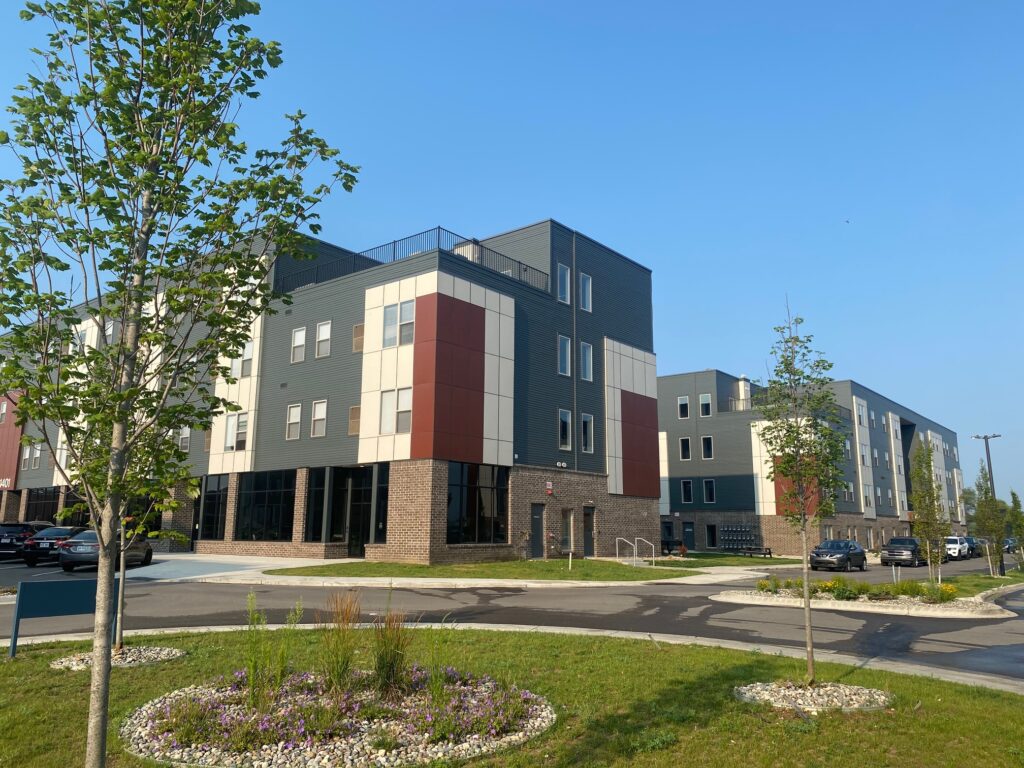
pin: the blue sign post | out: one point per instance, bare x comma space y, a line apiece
44, 599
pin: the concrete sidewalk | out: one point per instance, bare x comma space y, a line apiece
995, 682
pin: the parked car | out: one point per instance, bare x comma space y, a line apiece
839, 555
975, 546
956, 548
14, 535
904, 550
83, 549
44, 544
1010, 545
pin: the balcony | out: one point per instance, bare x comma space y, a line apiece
437, 239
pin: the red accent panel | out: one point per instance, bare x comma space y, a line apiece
10, 446
640, 446
448, 380
784, 502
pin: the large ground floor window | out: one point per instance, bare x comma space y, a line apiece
477, 504
266, 506
214, 509
348, 505
42, 504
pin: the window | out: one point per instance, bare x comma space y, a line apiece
903, 501
266, 506
885, 428
899, 465
586, 433
566, 541
887, 465
207, 440
878, 495
896, 430
323, 339
108, 331
872, 419
956, 454
848, 452
354, 414
863, 454
709, 491
711, 533
874, 454
3, 411
564, 430
705, 405
564, 356
861, 414
298, 345
25, 453
889, 492
37, 451
585, 298
477, 504
241, 367
686, 486
707, 447
683, 404
183, 438
684, 449
852, 491
586, 361
357, 337
867, 495
564, 284
318, 426
214, 507
293, 422
396, 411
399, 324
236, 433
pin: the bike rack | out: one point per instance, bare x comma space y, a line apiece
636, 543
628, 543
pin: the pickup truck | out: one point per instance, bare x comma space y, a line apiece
903, 551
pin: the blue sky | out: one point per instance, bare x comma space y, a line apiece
862, 158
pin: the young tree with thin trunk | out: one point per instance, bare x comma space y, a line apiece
135, 248
1015, 522
800, 431
989, 519
930, 523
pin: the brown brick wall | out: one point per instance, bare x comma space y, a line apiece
23, 506
10, 504
270, 548
301, 497
178, 521
417, 513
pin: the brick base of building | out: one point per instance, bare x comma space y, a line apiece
271, 549
10, 504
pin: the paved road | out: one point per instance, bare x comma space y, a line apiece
991, 647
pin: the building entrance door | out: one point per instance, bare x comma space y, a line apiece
588, 531
537, 530
689, 540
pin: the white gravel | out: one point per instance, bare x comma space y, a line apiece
130, 656
955, 607
814, 699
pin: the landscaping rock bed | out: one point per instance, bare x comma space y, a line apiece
359, 729
130, 656
814, 699
897, 604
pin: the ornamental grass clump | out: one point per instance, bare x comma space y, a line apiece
337, 648
258, 656
391, 640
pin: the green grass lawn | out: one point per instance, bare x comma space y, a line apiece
620, 703
711, 559
975, 583
556, 570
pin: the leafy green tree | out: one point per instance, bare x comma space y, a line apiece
931, 524
990, 520
800, 431
136, 245
1015, 524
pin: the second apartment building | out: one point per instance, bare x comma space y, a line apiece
715, 490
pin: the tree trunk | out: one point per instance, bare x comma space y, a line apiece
122, 567
808, 630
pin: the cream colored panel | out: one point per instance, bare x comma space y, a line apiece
402, 447
374, 297
490, 451
373, 329
625, 366
639, 377
506, 378
505, 418
426, 284
505, 454
389, 368
371, 372
508, 306
663, 453
507, 337
491, 415
367, 450
386, 448
407, 289
493, 301
652, 380
491, 368
369, 414
478, 295
391, 294
405, 366
764, 489
445, 284
463, 291
492, 333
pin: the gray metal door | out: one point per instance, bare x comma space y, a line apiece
689, 541
537, 530
588, 531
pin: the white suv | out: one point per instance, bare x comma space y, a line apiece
956, 547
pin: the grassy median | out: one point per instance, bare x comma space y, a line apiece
620, 703
545, 570
712, 559
970, 584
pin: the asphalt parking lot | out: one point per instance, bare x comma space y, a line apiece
876, 574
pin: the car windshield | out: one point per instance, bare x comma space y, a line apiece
952, 540
53, 533
9, 529
834, 545
902, 542
85, 536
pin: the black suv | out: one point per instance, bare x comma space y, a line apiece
14, 535
974, 547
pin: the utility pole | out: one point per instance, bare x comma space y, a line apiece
992, 487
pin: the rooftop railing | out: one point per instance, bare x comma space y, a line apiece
436, 239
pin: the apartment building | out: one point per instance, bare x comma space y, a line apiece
434, 399
715, 490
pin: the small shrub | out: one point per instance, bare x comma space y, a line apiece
338, 647
390, 643
939, 594
763, 585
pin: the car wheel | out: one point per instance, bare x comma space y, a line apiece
846, 567
148, 557
814, 567
864, 564
68, 567
30, 562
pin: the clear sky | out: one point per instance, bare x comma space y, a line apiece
862, 158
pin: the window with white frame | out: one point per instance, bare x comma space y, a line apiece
293, 422
861, 415
585, 297
564, 430
586, 433
298, 345
686, 489
899, 465
236, 432
705, 404
707, 447
396, 411
323, 339
684, 449
889, 492
709, 491
564, 355
564, 284
867, 494
3, 411
26, 452
872, 419
863, 455
108, 331
183, 438
358, 334
874, 455
318, 423
399, 324
37, 451
683, 406
896, 430
887, 464
354, 417
956, 454
586, 361
241, 367
848, 450
903, 501
878, 495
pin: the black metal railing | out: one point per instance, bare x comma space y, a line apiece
436, 239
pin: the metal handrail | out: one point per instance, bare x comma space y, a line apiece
628, 544
649, 544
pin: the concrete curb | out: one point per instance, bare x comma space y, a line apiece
921, 611
994, 682
992, 594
